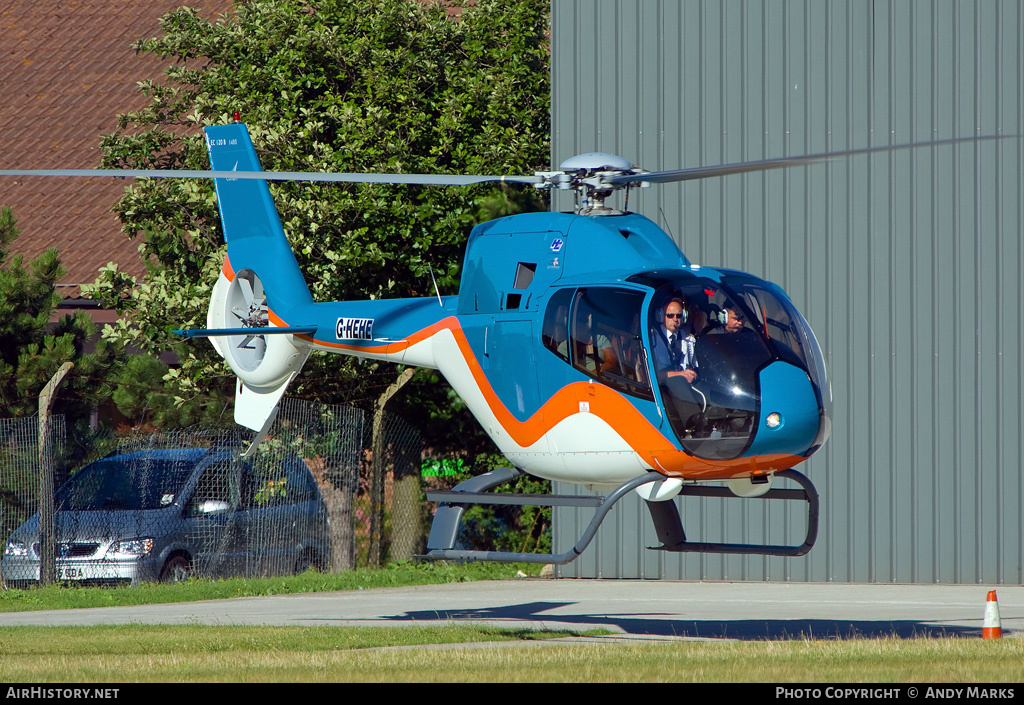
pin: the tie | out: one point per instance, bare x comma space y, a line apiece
673, 346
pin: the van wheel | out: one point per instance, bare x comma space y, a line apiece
306, 562
176, 570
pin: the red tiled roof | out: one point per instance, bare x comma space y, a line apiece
67, 70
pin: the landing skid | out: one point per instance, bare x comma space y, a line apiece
667, 522
669, 525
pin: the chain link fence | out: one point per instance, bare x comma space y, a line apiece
331, 488
395, 511
19, 467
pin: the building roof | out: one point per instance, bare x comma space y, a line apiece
67, 70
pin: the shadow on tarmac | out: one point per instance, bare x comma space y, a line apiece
743, 629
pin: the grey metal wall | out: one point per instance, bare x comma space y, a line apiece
908, 265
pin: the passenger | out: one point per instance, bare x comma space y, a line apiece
730, 319
557, 336
734, 319
592, 351
730, 354
630, 353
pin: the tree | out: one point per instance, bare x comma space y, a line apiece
327, 85
32, 348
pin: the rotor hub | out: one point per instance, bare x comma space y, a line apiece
591, 176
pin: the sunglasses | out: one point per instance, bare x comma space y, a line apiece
673, 315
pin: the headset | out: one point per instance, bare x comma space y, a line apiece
659, 315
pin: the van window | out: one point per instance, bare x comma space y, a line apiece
218, 484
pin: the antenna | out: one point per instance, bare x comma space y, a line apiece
436, 291
668, 226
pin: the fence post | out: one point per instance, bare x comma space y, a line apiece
47, 529
407, 534
376, 557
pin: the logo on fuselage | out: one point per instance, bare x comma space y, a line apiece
354, 329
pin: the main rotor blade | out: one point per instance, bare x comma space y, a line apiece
424, 179
704, 172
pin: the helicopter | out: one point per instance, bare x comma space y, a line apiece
559, 342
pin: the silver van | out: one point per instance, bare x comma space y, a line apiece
167, 514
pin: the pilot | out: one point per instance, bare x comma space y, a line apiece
674, 347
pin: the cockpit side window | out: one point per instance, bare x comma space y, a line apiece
787, 332
606, 341
555, 333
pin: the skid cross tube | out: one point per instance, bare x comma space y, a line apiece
668, 524
440, 545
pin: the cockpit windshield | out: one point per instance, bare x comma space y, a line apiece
709, 340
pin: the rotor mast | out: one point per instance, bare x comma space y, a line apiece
589, 175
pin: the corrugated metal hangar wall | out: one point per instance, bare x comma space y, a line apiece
907, 264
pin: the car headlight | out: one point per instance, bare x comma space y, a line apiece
16, 549
131, 547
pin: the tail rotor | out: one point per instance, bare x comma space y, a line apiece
247, 303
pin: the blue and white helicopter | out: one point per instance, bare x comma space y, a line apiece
558, 342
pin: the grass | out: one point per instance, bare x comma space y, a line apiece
468, 653
141, 654
55, 597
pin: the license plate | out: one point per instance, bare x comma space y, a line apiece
70, 574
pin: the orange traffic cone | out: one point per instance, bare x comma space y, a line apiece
992, 628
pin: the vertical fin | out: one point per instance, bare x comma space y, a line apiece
252, 227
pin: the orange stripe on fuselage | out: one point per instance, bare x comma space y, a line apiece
607, 404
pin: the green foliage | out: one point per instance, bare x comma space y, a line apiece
519, 529
272, 491
444, 467
32, 348
442, 418
378, 86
